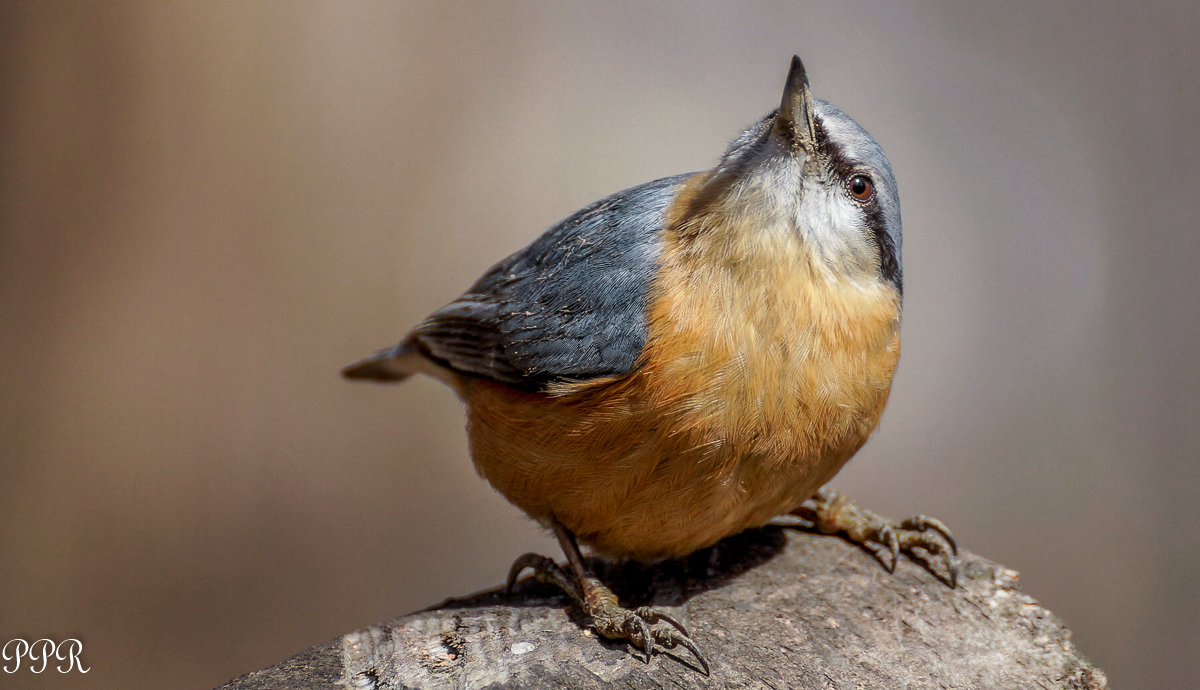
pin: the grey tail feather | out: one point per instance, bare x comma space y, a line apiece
384, 366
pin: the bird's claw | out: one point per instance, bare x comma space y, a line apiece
920, 523
637, 626
608, 617
653, 615
670, 638
544, 570
924, 537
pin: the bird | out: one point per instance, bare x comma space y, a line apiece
689, 358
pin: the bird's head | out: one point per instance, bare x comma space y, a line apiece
804, 174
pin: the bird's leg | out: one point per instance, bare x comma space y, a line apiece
921, 536
600, 603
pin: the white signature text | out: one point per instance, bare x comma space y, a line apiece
40, 653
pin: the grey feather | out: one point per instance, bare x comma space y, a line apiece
570, 306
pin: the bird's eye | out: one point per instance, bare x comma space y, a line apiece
861, 187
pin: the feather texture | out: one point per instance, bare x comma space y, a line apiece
571, 306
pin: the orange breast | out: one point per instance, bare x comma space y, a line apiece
759, 379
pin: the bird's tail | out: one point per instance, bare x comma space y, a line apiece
386, 366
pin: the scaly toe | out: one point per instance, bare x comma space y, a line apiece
544, 570
669, 639
933, 547
654, 615
926, 538
637, 627
920, 523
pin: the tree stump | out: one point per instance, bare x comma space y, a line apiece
773, 607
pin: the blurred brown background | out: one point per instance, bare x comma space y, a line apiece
207, 208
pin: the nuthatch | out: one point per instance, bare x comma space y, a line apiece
688, 358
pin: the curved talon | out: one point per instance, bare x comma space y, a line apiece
669, 639
938, 549
893, 545
533, 561
654, 615
645, 633
951, 566
924, 522
545, 570
525, 560
933, 542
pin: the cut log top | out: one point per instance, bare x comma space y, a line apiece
773, 607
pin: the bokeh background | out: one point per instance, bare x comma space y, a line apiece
207, 208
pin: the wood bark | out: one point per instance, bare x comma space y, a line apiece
774, 607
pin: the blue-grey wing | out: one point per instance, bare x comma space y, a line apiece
570, 306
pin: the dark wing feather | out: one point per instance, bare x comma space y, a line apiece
570, 306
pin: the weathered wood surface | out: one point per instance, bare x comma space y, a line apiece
774, 607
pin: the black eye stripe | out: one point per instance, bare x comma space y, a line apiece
841, 166
844, 169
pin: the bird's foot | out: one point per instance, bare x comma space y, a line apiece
609, 618
921, 536
638, 625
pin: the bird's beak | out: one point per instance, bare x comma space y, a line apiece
794, 122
